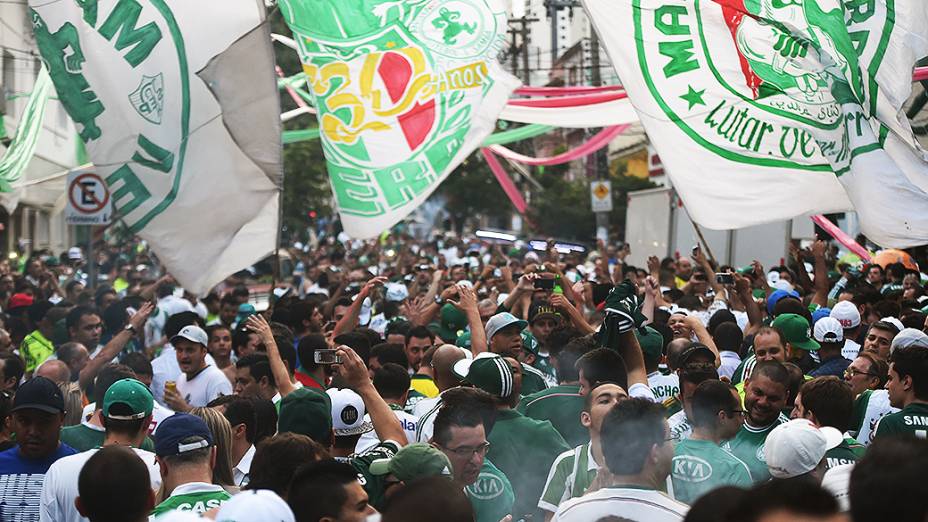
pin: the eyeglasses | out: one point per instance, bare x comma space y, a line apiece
849, 373
466, 452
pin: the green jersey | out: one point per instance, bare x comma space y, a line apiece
672, 406
700, 466
196, 497
361, 462
533, 381
491, 495
848, 452
748, 447
743, 371
911, 420
869, 407
571, 474
562, 406
524, 450
83, 437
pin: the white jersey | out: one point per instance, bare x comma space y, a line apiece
425, 411
664, 386
850, 350
209, 384
680, 427
631, 503
59, 488
407, 421
869, 408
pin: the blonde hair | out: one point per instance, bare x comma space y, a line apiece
222, 439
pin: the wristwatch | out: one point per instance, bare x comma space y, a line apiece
129, 328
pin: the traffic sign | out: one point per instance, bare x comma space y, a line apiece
601, 196
89, 201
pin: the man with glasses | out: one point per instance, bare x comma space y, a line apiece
867, 378
700, 465
461, 429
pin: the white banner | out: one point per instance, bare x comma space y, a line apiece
777, 109
177, 104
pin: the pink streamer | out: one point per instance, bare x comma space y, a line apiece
296, 97
505, 181
841, 237
600, 140
570, 101
566, 91
921, 73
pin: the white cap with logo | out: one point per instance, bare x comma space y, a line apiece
261, 505
828, 330
348, 413
797, 447
192, 333
847, 314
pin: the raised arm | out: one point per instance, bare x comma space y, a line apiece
467, 303
703, 335
355, 376
576, 318
350, 320
116, 345
821, 274
258, 325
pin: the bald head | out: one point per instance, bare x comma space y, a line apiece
674, 349
55, 370
445, 357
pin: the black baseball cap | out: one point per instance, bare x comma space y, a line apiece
39, 393
687, 363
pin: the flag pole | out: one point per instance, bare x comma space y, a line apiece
702, 240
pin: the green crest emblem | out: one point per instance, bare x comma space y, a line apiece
148, 99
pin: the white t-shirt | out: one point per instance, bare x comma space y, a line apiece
851, 349
165, 368
631, 503
664, 386
59, 488
369, 439
426, 410
210, 383
730, 363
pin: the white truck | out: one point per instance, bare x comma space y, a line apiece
657, 225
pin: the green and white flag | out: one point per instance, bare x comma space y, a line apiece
763, 110
405, 90
20, 151
177, 104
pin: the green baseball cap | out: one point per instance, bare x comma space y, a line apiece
452, 322
307, 411
487, 371
463, 340
651, 341
795, 330
412, 462
127, 399
529, 343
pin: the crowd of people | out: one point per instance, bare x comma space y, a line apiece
465, 380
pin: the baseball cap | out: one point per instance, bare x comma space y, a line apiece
348, 413
847, 314
19, 301
256, 505
906, 338
795, 330
452, 322
181, 433
487, 371
776, 296
396, 292
529, 343
540, 310
820, 313
686, 363
463, 340
134, 396
797, 447
414, 461
893, 322
828, 330
502, 320
75, 254
652, 342
306, 411
39, 393
192, 333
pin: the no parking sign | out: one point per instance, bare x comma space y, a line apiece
89, 201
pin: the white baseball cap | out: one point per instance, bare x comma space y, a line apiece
258, 505
502, 320
396, 292
348, 413
797, 447
828, 330
75, 254
837, 481
847, 314
192, 333
909, 337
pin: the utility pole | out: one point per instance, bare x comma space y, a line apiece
520, 35
554, 7
599, 161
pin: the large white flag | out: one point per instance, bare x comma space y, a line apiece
177, 104
763, 110
405, 91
